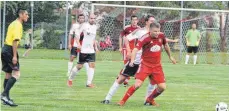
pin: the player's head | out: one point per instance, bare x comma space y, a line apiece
92, 19
81, 18
155, 29
134, 20
193, 25
23, 15
148, 20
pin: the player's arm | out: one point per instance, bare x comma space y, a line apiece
133, 55
96, 46
187, 36
77, 37
167, 49
16, 38
120, 42
171, 40
198, 41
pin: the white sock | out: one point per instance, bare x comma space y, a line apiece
112, 91
186, 59
149, 90
86, 65
90, 75
73, 73
70, 64
194, 59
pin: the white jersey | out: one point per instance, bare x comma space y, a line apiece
75, 28
137, 35
89, 32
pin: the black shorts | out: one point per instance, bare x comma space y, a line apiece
129, 71
193, 49
6, 57
83, 57
74, 51
27, 46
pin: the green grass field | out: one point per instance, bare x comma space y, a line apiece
42, 86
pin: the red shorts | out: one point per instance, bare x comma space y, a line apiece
156, 74
124, 54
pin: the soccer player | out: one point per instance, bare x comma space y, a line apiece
9, 55
87, 53
151, 45
72, 43
193, 39
122, 48
127, 70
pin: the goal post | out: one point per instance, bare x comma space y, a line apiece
175, 22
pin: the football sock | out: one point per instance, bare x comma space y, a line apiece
194, 59
70, 64
154, 94
73, 73
149, 90
186, 59
5, 82
90, 75
86, 65
112, 90
129, 93
9, 85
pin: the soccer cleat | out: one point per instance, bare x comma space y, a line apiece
7, 101
121, 103
105, 102
151, 103
69, 83
90, 86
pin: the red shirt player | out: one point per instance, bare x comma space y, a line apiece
151, 45
126, 50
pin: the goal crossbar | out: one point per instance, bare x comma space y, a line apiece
160, 8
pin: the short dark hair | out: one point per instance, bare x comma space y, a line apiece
147, 17
155, 24
20, 11
80, 15
133, 16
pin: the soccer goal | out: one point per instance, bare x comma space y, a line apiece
175, 22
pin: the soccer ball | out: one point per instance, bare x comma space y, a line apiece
221, 107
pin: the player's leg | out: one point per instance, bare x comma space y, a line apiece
86, 65
91, 70
75, 70
189, 51
142, 73
195, 50
113, 89
28, 48
9, 67
73, 55
159, 79
150, 88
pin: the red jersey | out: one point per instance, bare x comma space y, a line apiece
127, 30
151, 49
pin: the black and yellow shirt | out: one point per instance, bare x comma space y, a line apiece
14, 32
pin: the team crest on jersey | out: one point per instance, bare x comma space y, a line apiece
155, 48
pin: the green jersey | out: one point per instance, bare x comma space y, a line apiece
193, 36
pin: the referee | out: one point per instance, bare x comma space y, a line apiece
9, 55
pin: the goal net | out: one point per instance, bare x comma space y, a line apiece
213, 25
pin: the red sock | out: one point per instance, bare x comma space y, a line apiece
129, 93
154, 94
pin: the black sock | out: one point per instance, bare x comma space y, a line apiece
5, 82
9, 85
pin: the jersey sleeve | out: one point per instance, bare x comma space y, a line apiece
17, 31
71, 30
132, 36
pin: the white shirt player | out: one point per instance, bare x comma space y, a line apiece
89, 32
137, 35
75, 28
